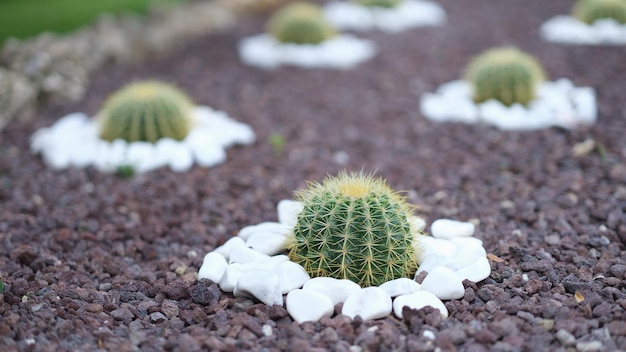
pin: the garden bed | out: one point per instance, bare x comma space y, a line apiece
91, 260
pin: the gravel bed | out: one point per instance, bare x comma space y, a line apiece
92, 261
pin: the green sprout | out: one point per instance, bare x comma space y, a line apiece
277, 141
125, 171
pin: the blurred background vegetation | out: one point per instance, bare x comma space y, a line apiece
26, 18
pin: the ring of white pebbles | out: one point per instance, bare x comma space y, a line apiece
343, 51
408, 14
570, 30
73, 141
252, 265
558, 103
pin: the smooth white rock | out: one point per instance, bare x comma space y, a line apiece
244, 255
569, 30
231, 275
369, 303
417, 223
431, 261
213, 267
399, 287
475, 272
288, 211
340, 52
73, 141
270, 226
429, 245
408, 14
418, 300
443, 283
465, 255
556, 104
224, 249
292, 276
335, 289
447, 229
466, 241
268, 264
261, 285
305, 305
267, 242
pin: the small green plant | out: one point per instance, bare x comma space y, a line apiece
380, 3
589, 11
125, 171
277, 141
505, 74
353, 226
146, 111
300, 23
1, 287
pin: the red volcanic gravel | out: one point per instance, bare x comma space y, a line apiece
92, 261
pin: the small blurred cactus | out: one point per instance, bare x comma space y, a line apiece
589, 11
379, 3
300, 23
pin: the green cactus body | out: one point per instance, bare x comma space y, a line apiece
380, 3
589, 11
146, 111
300, 23
504, 74
354, 227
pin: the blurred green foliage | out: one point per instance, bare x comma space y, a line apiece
26, 18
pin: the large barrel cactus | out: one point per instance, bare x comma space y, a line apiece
379, 3
300, 23
146, 111
589, 11
354, 227
505, 74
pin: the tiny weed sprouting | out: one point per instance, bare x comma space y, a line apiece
277, 141
125, 171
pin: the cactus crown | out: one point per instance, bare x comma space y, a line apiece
300, 23
379, 3
589, 11
146, 111
354, 227
505, 74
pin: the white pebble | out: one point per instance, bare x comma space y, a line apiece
417, 223
292, 276
288, 211
243, 255
475, 272
268, 264
369, 303
224, 249
267, 242
443, 283
465, 255
271, 227
303, 305
231, 275
447, 229
418, 300
401, 286
262, 285
213, 267
335, 289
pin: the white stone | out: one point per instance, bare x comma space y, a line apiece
556, 104
418, 300
292, 276
268, 264
224, 249
335, 289
305, 305
475, 272
408, 14
399, 287
443, 283
261, 285
417, 223
570, 30
428, 245
213, 267
465, 255
431, 261
369, 303
271, 227
231, 275
340, 52
447, 229
466, 241
73, 141
243, 255
267, 242
288, 211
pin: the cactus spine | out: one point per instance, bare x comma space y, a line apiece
354, 227
146, 111
300, 23
380, 3
505, 74
589, 11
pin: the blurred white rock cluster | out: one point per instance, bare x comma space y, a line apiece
253, 264
53, 67
74, 141
558, 103
570, 30
408, 14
